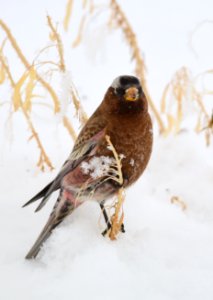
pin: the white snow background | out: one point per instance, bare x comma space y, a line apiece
166, 253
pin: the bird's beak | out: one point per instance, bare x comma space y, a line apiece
131, 94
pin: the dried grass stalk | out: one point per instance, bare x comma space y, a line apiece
177, 90
208, 130
66, 21
74, 94
17, 91
26, 85
69, 127
29, 90
28, 65
119, 176
78, 38
2, 75
118, 217
57, 37
178, 201
208, 119
180, 89
43, 158
27, 82
80, 112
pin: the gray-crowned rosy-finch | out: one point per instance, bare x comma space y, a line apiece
88, 172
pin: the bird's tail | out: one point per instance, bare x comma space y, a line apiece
40, 195
61, 209
44, 235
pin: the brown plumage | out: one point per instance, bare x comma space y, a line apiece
123, 116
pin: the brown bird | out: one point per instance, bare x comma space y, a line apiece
90, 171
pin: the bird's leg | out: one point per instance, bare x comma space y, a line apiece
106, 218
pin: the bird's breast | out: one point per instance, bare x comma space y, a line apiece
132, 139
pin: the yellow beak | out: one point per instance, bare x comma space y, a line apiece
131, 94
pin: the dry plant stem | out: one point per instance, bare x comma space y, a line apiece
117, 159
68, 14
123, 23
39, 78
198, 98
69, 127
183, 87
78, 38
83, 117
44, 159
28, 65
117, 218
177, 200
209, 130
77, 103
14, 44
209, 119
58, 43
177, 89
83, 23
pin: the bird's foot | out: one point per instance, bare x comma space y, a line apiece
122, 229
109, 226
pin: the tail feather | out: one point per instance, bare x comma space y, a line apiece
61, 209
44, 235
41, 194
43, 202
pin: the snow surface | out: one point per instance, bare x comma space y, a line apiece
166, 253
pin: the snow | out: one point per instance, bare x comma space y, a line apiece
166, 252
98, 167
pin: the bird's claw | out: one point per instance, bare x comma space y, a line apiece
122, 228
109, 226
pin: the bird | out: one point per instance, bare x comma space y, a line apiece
89, 173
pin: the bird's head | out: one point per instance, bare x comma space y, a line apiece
125, 95
127, 88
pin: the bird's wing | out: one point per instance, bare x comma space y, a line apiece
39, 195
75, 158
85, 145
95, 125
